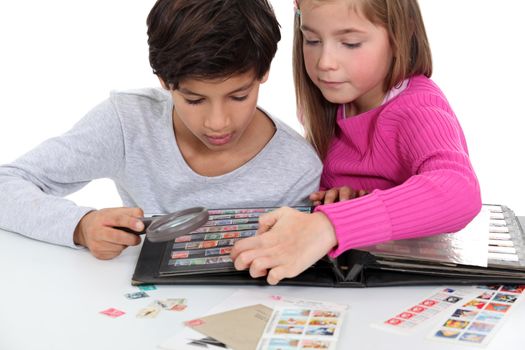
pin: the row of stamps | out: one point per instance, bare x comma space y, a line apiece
222, 259
476, 321
215, 236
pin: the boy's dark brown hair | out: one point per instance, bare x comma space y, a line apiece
211, 39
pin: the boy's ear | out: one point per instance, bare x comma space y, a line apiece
162, 83
265, 77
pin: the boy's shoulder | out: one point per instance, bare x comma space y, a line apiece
140, 96
286, 139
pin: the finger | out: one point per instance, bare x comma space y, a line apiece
247, 258
243, 259
316, 203
266, 221
261, 265
123, 217
245, 244
346, 193
119, 237
276, 274
331, 196
317, 196
126, 220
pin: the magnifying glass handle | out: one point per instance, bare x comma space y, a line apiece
146, 220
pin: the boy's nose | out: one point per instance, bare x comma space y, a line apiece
217, 120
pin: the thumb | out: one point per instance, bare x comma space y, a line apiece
266, 221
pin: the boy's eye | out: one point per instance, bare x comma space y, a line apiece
194, 102
239, 98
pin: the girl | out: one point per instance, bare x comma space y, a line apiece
381, 126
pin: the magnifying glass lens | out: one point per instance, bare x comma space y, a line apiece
177, 221
171, 226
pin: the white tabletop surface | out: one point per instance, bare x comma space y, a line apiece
51, 296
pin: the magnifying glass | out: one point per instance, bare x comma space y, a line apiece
168, 227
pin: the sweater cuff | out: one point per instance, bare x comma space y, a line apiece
69, 232
358, 222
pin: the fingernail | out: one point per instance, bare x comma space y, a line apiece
139, 225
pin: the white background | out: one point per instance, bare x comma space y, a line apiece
59, 58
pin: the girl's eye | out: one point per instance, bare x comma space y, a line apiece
352, 45
311, 42
194, 102
239, 98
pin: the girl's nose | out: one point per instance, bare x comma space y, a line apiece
327, 60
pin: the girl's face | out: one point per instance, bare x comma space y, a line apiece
346, 56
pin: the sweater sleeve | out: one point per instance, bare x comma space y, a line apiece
441, 194
32, 187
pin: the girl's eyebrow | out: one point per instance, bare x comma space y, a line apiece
337, 32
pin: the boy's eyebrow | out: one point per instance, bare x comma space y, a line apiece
242, 88
338, 32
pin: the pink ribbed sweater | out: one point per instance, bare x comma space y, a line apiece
411, 153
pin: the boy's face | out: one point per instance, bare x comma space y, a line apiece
215, 113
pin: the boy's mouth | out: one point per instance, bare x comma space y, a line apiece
219, 140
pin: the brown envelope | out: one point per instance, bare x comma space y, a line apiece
240, 329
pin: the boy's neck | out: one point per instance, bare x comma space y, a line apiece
206, 162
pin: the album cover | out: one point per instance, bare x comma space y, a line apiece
489, 250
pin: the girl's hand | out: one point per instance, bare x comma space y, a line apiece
287, 243
96, 231
337, 194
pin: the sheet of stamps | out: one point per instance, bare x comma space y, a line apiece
476, 320
301, 324
425, 311
295, 323
208, 248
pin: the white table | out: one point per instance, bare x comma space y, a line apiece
51, 296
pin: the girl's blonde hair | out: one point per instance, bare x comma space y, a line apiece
411, 56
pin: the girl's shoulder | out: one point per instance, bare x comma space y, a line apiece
420, 101
421, 93
422, 90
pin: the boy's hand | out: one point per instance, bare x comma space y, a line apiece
96, 231
287, 243
337, 194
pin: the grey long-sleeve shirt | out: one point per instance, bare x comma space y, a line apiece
129, 138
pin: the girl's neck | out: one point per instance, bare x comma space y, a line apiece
355, 108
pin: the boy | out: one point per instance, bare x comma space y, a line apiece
200, 141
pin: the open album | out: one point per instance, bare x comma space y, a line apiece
491, 249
